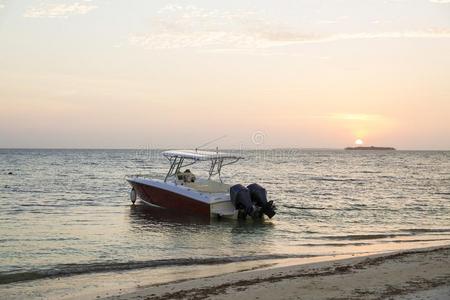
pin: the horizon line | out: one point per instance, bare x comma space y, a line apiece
233, 149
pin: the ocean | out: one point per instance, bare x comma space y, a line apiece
68, 212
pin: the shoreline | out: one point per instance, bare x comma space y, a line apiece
280, 278
377, 276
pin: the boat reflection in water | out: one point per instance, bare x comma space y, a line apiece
172, 234
144, 215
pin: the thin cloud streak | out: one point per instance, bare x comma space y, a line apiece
427, 33
350, 117
235, 41
179, 27
59, 10
440, 1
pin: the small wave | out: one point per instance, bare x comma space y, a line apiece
334, 244
354, 207
426, 230
363, 236
417, 240
336, 179
43, 205
78, 269
303, 207
91, 163
32, 239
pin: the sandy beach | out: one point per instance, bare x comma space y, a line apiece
410, 274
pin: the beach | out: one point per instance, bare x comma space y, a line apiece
411, 274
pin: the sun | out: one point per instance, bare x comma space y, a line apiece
359, 142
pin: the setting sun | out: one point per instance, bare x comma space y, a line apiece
359, 142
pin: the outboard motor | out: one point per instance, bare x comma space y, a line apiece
241, 199
259, 197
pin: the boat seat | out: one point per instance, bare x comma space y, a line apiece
209, 186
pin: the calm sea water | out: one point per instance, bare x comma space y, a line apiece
68, 212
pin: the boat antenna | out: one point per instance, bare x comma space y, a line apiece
210, 142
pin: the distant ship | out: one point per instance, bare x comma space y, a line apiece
369, 148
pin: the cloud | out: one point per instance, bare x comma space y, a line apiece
178, 27
59, 10
350, 117
426, 33
440, 1
326, 22
356, 117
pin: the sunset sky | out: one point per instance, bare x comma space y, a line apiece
130, 74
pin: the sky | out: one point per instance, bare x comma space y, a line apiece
258, 74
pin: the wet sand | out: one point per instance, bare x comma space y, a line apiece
411, 274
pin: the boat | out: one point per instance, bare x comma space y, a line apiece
182, 192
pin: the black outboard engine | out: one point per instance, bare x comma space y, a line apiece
241, 199
259, 197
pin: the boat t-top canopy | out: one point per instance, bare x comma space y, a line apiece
200, 155
177, 157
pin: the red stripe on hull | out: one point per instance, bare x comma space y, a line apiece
170, 200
